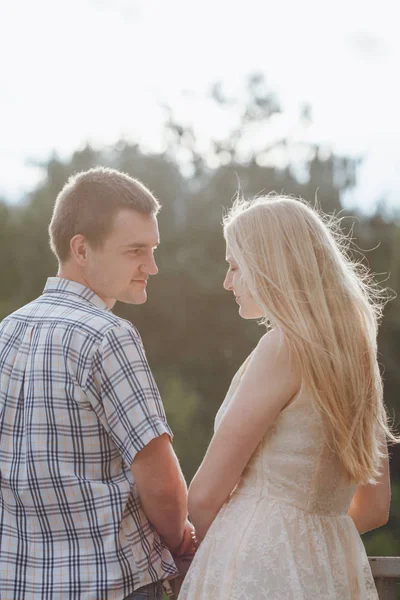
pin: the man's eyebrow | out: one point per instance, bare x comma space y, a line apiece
139, 245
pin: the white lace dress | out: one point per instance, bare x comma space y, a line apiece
284, 534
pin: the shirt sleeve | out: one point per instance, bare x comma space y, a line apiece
129, 401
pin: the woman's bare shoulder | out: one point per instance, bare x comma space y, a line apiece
274, 357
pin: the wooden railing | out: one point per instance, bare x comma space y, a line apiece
386, 572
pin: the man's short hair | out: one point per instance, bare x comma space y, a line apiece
89, 203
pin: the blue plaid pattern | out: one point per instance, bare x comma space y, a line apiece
77, 402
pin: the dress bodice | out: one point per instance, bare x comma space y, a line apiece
293, 462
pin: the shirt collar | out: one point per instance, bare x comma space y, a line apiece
59, 285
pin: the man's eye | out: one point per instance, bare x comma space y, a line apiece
134, 252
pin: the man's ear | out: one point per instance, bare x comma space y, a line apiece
78, 246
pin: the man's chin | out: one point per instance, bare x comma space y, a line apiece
129, 299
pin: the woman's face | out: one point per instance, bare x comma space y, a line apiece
234, 282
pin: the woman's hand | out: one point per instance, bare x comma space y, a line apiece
188, 544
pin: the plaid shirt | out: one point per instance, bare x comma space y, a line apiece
77, 402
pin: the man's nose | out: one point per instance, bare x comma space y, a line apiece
151, 267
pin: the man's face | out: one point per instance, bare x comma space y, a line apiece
119, 270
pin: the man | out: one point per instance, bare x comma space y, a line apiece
92, 500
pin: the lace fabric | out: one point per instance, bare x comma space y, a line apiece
284, 534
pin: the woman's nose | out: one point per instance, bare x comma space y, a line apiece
227, 282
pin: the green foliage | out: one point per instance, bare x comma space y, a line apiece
382, 543
183, 406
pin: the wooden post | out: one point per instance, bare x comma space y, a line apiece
386, 588
386, 570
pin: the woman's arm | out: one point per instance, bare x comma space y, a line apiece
370, 505
270, 381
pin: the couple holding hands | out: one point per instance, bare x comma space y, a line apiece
93, 503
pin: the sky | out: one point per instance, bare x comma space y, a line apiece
77, 71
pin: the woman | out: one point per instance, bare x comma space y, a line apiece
298, 465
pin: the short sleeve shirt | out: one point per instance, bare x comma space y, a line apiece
77, 402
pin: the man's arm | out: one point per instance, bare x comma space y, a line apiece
162, 489
126, 399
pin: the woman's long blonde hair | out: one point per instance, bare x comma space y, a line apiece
297, 267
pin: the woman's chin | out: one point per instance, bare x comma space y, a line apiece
250, 314
244, 313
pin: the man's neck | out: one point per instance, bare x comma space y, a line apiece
65, 273
71, 274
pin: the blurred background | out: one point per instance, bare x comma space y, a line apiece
199, 100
